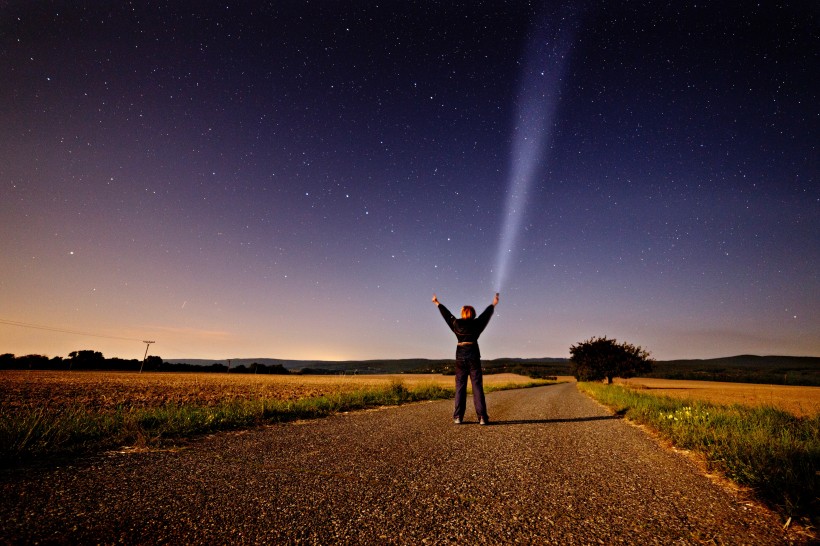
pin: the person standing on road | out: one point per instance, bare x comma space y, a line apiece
468, 357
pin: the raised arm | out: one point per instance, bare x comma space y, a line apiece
445, 313
484, 318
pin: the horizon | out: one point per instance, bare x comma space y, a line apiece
382, 359
300, 179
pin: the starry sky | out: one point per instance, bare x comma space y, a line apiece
296, 179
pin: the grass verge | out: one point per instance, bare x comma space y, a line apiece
37, 431
771, 451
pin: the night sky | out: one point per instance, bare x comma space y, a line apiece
296, 180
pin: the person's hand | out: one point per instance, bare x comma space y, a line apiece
495, 299
435, 299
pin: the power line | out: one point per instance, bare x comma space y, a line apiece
62, 330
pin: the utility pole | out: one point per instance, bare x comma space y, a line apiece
147, 344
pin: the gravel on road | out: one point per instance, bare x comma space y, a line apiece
554, 467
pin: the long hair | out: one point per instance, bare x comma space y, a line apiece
467, 312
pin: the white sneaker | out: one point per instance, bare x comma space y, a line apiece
457, 420
482, 421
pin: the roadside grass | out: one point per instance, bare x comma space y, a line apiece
35, 430
772, 452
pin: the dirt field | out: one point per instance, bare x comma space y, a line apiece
109, 390
800, 401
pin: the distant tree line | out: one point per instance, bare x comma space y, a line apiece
534, 368
94, 360
773, 370
596, 359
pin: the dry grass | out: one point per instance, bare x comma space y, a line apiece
46, 413
106, 391
799, 401
775, 453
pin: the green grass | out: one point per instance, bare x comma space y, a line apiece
37, 431
769, 450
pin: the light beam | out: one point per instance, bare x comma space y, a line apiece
540, 83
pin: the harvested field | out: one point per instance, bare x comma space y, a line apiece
103, 391
799, 401
47, 412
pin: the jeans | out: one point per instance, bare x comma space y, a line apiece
471, 368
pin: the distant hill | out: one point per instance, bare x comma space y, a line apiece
407, 365
328, 366
752, 361
775, 370
779, 370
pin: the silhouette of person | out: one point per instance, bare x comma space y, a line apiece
468, 357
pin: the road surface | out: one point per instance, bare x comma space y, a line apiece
554, 467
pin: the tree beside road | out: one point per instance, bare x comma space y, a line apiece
601, 358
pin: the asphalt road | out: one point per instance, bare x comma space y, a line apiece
553, 468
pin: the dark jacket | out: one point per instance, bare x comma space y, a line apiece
467, 331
